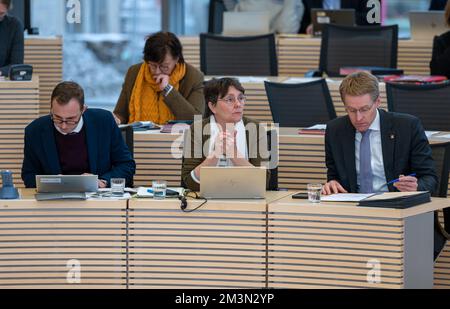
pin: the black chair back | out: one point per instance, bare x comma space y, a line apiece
128, 138
355, 46
300, 105
238, 56
430, 103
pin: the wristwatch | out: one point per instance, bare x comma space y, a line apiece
167, 89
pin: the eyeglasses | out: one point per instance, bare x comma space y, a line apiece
363, 110
165, 68
232, 100
60, 121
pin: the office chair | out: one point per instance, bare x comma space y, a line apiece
430, 103
300, 105
128, 138
356, 46
441, 156
238, 56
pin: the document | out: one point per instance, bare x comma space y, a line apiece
346, 197
431, 133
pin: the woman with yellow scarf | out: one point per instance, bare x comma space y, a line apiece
163, 87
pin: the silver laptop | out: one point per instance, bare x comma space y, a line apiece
246, 23
66, 183
427, 24
233, 182
320, 17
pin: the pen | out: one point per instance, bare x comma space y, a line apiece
398, 179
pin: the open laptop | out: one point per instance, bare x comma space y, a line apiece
246, 23
426, 24
320, 17
51, 187
233, 182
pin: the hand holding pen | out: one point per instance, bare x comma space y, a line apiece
406, 183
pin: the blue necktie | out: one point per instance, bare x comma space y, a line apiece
365, 167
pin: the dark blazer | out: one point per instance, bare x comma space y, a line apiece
440, 61
109, 157
437, 5
405, 151
12, 43
191, 159
360, 7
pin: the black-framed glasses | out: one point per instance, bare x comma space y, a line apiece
59, 121
165, 68
232, 100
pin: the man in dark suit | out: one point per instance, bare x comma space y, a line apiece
370, 147
74, 140
360, 7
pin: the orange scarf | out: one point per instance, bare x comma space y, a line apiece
147, 101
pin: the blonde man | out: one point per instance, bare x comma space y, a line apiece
370, 147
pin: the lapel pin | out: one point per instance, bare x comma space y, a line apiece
392, 136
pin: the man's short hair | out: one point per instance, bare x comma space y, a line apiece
359, 84
66, 91
216, 89
7, 3
159, 44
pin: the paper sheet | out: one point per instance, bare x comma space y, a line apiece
346, 197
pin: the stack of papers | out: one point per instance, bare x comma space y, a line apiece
346, 197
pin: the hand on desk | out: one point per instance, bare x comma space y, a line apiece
333, 187
406, 184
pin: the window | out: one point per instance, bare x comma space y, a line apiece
396, 12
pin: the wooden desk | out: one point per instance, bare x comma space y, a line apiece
38, 239
221, 245
46, 57
19, 105
298, 55
337, 245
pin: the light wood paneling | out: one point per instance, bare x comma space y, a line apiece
37, 241
221, 245
19, 105
46, 57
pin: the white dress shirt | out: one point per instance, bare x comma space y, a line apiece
241, 141
377, 163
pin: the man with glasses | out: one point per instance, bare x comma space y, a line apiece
370, 147
75, 140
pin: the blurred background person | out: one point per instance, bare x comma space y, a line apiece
11, 39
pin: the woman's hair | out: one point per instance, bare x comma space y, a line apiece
216, 89
447, 13
159, 44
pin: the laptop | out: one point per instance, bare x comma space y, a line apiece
246, 23
320, 17
66, 183
425, 25
233, 182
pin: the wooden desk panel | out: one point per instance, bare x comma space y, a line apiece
37, 241
19, 105
221, 245
46, 57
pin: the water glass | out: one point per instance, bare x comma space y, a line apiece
117, 186
314, 192
159, 189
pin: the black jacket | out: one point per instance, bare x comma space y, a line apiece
437, 5
440, 61
405, 150
11, 43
